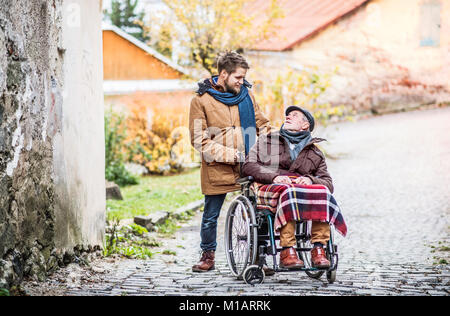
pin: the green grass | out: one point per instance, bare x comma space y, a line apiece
155, 193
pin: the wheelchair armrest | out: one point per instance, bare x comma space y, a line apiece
245, 180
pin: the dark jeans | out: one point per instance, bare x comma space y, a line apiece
208, 232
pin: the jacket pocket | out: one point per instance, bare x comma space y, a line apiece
315, 157
220, 174
305, 167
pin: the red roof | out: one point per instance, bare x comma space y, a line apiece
302, 19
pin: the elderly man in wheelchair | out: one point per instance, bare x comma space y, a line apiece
287, 186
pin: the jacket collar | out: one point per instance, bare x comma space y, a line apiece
206, 84
216, 86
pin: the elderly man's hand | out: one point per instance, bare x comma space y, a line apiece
303, 180
282, 180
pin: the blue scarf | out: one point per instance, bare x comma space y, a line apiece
246, 110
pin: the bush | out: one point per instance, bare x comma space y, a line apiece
4, 292
115, 145
160, 141
303, 88
119, 175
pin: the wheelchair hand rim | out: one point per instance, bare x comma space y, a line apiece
246, 241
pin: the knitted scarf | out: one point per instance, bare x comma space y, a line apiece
298, 139
245, 104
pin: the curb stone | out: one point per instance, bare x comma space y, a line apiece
160, 217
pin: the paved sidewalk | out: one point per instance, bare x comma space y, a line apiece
392, 181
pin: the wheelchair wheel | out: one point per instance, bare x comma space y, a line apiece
253, 275
331, 276
333, 257
306, 255
240, 235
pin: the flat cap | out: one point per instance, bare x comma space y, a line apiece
308, 115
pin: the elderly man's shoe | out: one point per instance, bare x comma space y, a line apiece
289, 259
206, 262
319, 258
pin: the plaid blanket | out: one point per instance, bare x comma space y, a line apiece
299, 202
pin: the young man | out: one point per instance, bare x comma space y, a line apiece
224, 121
289, 156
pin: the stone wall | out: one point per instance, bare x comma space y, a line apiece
51, 134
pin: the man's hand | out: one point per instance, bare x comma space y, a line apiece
282, 180
303, 180
239, 156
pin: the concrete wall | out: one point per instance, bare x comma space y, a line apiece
378, 54
52, 189
79, 149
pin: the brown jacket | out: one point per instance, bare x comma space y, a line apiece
270, 158
216, 134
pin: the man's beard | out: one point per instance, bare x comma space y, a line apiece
231, 89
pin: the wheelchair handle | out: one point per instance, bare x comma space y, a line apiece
245, 180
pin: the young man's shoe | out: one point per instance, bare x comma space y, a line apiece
206, 262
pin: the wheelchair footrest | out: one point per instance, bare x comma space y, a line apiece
299, 269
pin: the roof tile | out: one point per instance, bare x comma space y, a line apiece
302, 19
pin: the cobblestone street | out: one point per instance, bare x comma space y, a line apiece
392, 180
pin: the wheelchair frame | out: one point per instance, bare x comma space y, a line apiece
255, 239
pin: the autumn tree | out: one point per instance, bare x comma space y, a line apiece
206, 27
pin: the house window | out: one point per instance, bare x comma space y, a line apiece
430, 28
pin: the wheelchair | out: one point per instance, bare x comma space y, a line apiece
249, 237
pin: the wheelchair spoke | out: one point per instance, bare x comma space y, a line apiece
240, 233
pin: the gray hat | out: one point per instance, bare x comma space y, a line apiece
308, 115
